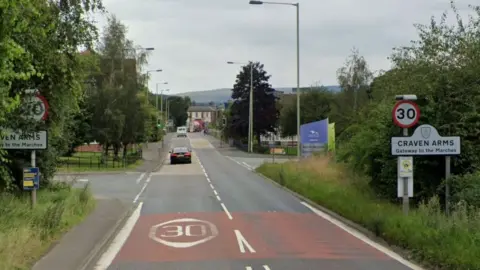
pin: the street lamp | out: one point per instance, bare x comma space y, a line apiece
156, 92
148, 72
250, 106
297, 5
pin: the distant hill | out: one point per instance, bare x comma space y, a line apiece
224, 94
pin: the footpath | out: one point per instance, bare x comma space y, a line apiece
81, 247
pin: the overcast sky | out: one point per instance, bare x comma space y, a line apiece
193, 39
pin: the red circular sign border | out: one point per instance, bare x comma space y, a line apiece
45, 103
417, 118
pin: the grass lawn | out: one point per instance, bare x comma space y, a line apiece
90, 161
442, 242
26, 233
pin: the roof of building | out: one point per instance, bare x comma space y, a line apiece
201, 109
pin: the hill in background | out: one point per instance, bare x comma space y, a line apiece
224, 94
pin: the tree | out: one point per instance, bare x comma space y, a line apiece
264, 103
42, 52
178, 108
315, 104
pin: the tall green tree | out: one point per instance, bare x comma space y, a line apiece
265, 111
39, 49
315, 105
178, 107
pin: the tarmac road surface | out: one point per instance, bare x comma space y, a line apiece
215, 214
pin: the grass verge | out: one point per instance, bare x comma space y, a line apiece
438, 241
26, 233
107, 167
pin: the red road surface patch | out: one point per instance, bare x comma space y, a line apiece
271, 235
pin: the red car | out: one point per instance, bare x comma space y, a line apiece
180, 154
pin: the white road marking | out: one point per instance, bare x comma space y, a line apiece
143, 189
226, 211
189, 227
265, 267
214, 191
119, 240
363, 238
242, 242
218, 198
82, 180
140, 178
248, 166
212, 186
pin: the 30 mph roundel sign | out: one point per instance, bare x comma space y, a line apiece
406, 114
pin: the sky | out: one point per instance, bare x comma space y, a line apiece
194, 39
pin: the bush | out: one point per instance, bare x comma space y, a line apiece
444, 242
26, 233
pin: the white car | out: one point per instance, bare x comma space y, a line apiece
182, 132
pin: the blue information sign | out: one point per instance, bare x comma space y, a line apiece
313, 137
31, 178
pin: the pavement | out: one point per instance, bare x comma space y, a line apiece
218, 214
117, 193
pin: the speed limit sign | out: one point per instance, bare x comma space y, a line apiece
406, 114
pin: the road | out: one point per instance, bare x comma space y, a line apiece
217, 214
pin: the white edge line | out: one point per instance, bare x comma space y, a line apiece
265, 267
142, 190
363, 238
226, 211
140, 178
119, 240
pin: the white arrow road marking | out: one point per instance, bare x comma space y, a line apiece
265, 267
242, 242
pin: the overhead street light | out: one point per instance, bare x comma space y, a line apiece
156, 92
297, 6
148, 72
250, 106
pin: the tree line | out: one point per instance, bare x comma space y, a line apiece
441, 67
96, 93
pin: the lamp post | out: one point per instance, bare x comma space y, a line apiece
297, 6
161, 93
148, 72
250, 106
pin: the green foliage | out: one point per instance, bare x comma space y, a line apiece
442, 68
315, 103
178, 107
264, 103
39, 43
433, 238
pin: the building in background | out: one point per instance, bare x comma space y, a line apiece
201, 116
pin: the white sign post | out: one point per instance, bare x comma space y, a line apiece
426, 141
405, 114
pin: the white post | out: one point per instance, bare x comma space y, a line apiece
406, 203
447, 184
34, 191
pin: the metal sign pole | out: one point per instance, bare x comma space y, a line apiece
406, 202
34, 191
447, 184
